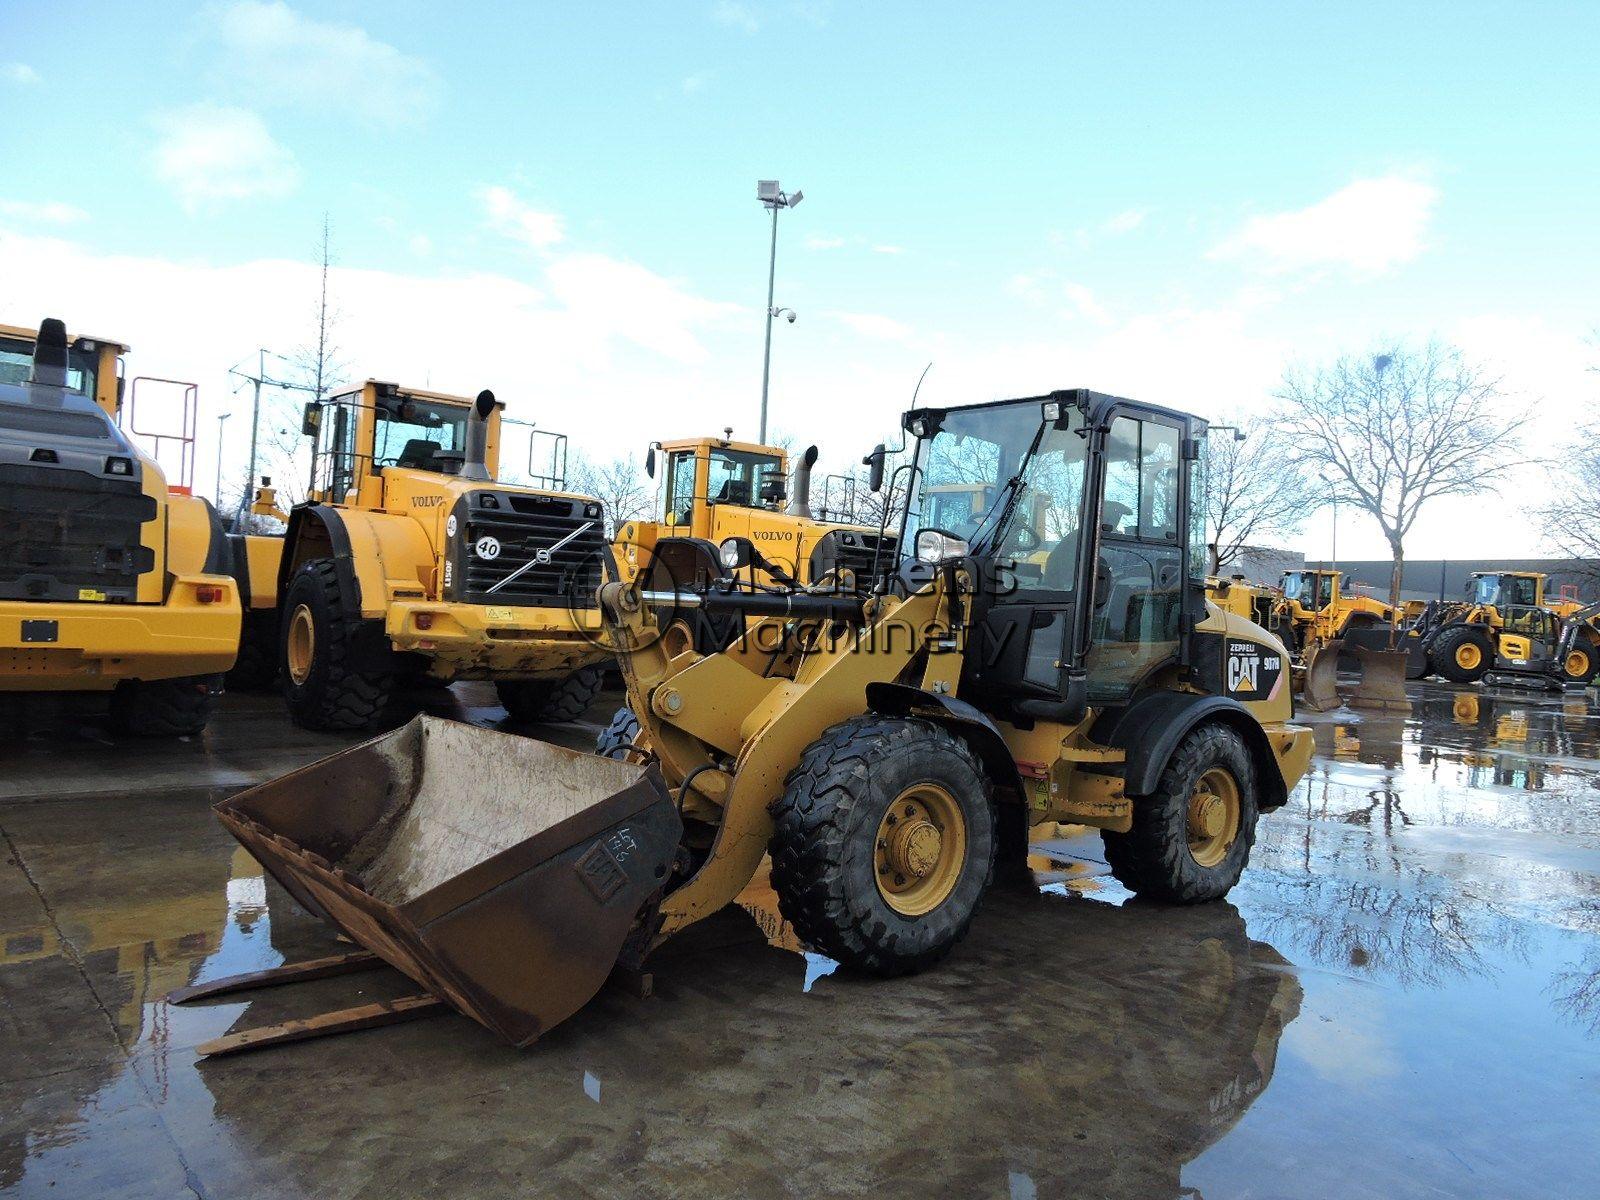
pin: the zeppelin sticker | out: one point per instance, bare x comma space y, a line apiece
1252, 671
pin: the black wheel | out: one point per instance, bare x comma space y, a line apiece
163, 707
551, 701
337, 670
256, 668
884, 843
1462, 655
1581, 664
1191, 837
622, 733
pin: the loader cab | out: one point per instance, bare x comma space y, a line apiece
1507, 589
363, 432
1089, 554
1311, 590
706, 472
94, 365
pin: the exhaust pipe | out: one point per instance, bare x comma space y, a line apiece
475, 463
50, 354
800, 485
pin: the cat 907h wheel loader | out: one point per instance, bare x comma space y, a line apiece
868, 759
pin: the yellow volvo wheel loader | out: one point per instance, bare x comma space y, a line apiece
113, 578
409, 557
1508, 626
717, 488
867, 758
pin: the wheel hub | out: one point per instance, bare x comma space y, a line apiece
914, 848
1206, 816
301, 644
920, 850
1214, 816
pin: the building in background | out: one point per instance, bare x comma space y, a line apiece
1446, 579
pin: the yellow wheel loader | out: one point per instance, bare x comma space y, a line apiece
1509, 627
716, 489
113, 577
410, 559
867, 758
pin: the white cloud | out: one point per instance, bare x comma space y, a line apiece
275, 55
695, 83
622, 299
874, 325
820, 241
885, 248
18, 73
48, 212
735, 14
1126, 221
1368, 227
514, 218
209, 154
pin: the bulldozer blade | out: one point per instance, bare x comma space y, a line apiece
504, 875
1320, 692
1383, 681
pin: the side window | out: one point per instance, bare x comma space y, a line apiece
1522, 591
343, 475
1138, 599
680, 488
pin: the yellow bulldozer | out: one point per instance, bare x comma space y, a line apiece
867, 758
408, 558
113, 576
1506, 626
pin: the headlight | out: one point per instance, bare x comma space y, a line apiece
730, 553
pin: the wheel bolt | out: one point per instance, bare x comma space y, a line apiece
910, 812
899, 880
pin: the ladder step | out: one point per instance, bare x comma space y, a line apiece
315, 968
344, 1020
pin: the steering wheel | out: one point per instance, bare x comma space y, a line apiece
1023, 538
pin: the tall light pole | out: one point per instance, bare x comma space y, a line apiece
1330, 478
774, 197
216, 491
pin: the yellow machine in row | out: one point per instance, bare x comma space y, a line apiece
867, 757
409, 558
717, 488
1509, 626
113, 578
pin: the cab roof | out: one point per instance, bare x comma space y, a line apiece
75, 340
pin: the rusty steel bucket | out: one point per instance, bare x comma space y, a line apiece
1320, 690
504, 875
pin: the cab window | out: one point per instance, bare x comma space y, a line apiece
1138, 594
16, 364
420, 434
738, 476
680, 487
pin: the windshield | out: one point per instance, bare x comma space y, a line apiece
737, 477
16, 364
1294, 585
976, 479
416, 438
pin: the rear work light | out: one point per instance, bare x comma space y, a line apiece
119, 466
424, 620
210, 593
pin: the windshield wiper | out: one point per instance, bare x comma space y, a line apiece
1010, 493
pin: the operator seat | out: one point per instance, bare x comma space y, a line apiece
419, 455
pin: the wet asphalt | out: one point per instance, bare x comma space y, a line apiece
1401, 998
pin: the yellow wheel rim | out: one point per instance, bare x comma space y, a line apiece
1468, 656
1577, 664
301, 644
1214, 814
920, 849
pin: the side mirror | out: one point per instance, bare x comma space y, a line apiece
311, 421
1102, 583
874, 465
650, 461
736, 553
936, 546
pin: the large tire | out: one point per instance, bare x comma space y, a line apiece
1463, 654
256, 668
336, 672
163, 707
1582, 663
1179, 851
551, 701
619, 736
873, 796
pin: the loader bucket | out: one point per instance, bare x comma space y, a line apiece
1320, 692
502, 874
1383, 681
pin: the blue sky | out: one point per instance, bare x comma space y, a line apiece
1166, 200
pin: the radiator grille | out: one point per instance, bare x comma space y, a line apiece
63, 532
500, 550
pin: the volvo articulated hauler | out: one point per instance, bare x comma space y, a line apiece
865, 758
110, 579
409, 558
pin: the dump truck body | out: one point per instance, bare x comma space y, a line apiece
112, 576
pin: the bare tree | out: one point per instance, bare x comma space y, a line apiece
319, 359
1254, 489
1395, 429
618, 485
